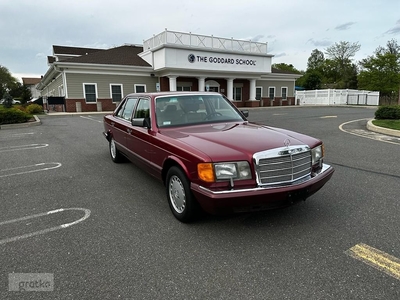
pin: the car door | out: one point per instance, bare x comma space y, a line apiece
120, 124
138, 137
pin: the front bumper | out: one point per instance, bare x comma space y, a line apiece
259, 198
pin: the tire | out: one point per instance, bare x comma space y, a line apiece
180, 198
116, 156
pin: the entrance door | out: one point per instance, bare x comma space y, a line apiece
214, 89
212, 86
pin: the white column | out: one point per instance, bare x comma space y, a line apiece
172, 83
202, 83
252, 89
229, 87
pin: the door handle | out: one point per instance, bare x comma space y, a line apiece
112, 123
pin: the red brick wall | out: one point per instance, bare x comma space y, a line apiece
106, 105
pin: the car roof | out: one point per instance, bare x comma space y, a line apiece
177, 93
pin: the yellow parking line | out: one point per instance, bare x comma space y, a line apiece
376, 258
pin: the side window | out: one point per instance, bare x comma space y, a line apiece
126, 110
121, 109
143, 109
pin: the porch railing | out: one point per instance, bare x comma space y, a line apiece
203, 41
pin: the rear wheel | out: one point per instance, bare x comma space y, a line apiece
116, 156
180, 198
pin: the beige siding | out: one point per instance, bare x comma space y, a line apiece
265, 84
75, 84
52, 88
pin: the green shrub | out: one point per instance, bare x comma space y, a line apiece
388, 112
33, 109
13, 115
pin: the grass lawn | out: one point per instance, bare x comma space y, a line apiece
391, 124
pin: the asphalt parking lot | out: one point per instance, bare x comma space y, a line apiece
101, 230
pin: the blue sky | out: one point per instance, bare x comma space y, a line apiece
292, 29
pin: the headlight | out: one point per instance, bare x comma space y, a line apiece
224, 171
317, 154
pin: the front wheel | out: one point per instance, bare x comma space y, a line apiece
180, 198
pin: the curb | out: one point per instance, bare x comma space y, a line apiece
22, 125
382, 130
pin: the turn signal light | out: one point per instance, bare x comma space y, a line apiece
206, 172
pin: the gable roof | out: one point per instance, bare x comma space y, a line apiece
67, 50
30, 81
122, 55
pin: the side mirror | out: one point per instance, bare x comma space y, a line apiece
141, 122
245, 113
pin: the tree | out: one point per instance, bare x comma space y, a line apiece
12, 86
381, 71
7, 100
339, 69
22, 92
312, 81
342, 52
7, 81
286, 67
316, 61
392, 48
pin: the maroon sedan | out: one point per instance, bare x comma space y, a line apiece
208, 155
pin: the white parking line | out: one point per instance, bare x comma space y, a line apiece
29, 169
62, 226
90, 118
20, 134
23, 147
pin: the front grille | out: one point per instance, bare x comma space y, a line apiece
283, 166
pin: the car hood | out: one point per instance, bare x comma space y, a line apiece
233, 141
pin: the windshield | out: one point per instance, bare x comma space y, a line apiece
178, 110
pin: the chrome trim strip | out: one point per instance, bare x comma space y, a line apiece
325, 167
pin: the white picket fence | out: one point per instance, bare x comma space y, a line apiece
337, 97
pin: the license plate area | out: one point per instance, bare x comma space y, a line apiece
298, 195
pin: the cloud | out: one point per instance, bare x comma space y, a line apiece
345, 26
257, 38
280, 54
395, 29
320, 43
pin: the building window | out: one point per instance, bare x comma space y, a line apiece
284, 93
140, 88
61, 91
258, 93
271, 93
184, 88
116, 92
90, 92
237, 93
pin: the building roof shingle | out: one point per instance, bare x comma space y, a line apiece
122, 55
68, 50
